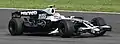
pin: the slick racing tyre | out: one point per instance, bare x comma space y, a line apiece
66, 28
15, 26
98, 21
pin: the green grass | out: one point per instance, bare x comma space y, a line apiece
82, 5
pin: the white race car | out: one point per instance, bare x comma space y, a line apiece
50, 22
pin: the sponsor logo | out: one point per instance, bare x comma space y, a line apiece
42, 16
29, 13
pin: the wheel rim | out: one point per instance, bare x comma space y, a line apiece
12, 27
61, 29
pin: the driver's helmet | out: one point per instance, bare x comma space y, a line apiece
50, 10
51, 6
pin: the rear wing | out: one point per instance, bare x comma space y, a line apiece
50, 11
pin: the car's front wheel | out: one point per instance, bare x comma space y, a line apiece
98, 21
66, 28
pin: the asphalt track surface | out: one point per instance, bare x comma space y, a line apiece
112, 37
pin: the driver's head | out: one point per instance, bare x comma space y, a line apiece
50, 10
51, 6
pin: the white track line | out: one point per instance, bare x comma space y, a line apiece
65, 11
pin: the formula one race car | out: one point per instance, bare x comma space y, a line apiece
50, 22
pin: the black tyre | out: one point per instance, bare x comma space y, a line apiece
98, 21
15, 26
66, 28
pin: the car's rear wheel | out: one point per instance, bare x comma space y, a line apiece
66, 28
15, 26
98, 21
